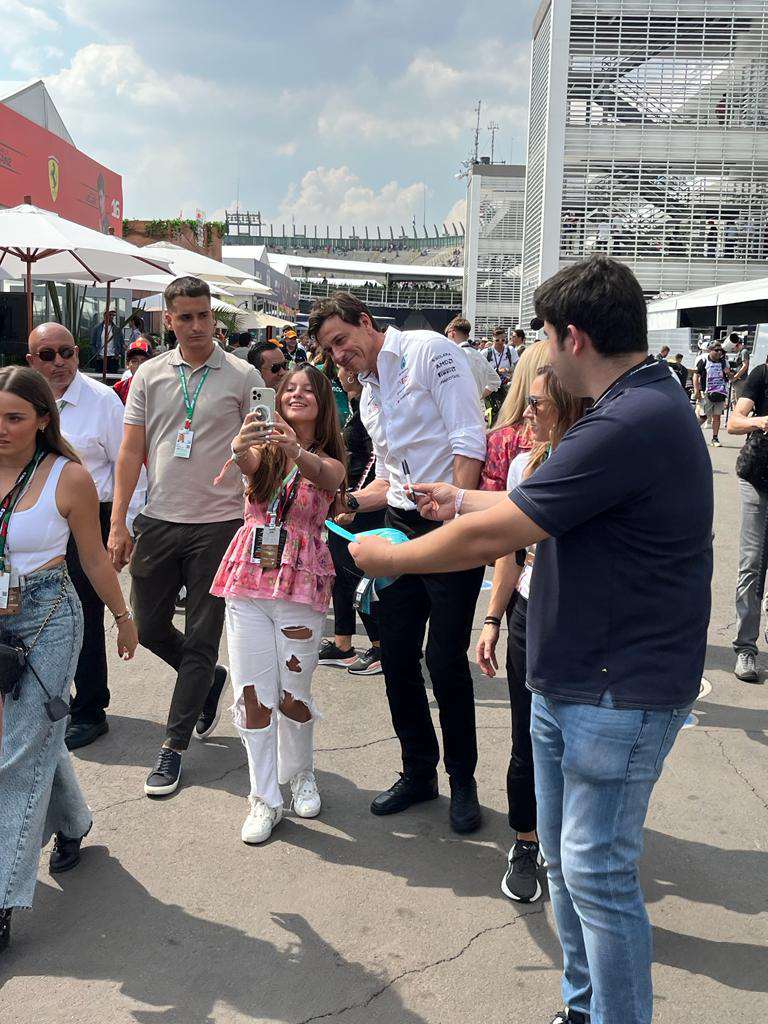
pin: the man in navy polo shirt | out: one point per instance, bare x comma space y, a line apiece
617, 619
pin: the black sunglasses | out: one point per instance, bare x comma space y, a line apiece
277, 367
534, 402
48, 355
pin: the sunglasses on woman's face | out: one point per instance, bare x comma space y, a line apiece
534, 402
48, 355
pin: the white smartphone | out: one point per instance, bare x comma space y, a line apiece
263, 404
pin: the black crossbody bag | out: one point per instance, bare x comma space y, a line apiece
14, 661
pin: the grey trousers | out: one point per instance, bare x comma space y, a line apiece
750, 584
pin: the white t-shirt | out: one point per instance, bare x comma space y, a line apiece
514, 479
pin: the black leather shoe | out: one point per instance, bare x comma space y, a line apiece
65, 854
209, 716
405, 792
80, 734
465, 808
5, 928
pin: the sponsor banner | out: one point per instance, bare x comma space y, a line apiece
35, 162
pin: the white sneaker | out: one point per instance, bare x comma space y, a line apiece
262, 818
746, 667
306, 799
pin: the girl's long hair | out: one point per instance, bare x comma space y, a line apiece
265, 483
32, 387
513, 406
568, 410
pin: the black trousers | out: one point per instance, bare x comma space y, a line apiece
91, 690
166, 557
521, 796
447, 602
347, 578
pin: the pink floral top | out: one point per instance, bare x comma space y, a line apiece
305, 574
504, 445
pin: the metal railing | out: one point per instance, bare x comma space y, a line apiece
404, 297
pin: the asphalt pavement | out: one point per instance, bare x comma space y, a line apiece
354, 919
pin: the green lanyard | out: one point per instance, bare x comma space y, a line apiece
11, 500
190, 405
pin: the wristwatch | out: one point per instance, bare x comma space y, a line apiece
352, 503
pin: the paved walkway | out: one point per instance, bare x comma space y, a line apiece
358, 920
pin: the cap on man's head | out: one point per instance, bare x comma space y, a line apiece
290, 333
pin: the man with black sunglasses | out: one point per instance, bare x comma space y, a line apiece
92, 421
269, 359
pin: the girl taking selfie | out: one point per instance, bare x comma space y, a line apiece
47, 496
276, 579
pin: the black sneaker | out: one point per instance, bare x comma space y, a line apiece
465, 814
332, 655
569, 1017
164, 777
209, 716
5, 928
368, 664
521, 882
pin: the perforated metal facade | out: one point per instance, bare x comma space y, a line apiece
493, 246
664, 140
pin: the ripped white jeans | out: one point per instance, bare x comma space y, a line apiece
273, 647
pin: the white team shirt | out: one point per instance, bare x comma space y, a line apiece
485, 376
92, 421
421, 405
507, 359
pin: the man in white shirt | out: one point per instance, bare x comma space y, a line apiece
92, 422
115, 346
486, 378
420, 407
503, 358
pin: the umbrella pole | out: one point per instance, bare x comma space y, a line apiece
104, 344
29, 298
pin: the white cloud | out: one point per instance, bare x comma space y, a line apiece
287, 149
457, 213
336, 196
24, 26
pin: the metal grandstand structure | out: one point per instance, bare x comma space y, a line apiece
246, 228
493, 250
648, 140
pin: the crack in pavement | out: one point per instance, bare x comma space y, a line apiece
364, 1003
735, 767
359, 746
203, 782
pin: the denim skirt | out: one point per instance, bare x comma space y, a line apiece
39, 791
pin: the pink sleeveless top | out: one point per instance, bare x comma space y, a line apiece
305, 574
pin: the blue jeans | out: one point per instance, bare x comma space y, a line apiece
595, 769
39, 791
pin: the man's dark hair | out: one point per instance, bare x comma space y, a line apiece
601, 297
735, 339
186, 288
500, 331
520, 333
243, 339
461, 325
258, 350
341, 304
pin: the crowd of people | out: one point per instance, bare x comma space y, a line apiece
574, 465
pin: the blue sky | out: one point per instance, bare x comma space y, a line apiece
339, 112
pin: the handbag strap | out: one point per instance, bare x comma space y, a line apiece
48, 617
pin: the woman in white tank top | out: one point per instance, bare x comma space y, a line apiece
47, 494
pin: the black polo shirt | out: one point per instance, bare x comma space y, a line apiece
620, 593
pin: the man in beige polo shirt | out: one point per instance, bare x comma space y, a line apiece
183, 410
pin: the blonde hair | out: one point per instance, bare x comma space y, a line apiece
513, 406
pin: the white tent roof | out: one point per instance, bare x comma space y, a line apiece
343, 268
185, 261
719, 295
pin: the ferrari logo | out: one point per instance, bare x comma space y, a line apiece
53, 177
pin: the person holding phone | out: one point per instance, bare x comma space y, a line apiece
276, 579
48, 496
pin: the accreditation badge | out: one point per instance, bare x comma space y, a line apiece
183, 448
267, 546
10, 597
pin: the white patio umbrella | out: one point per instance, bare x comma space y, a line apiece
270, 320
61, 249
186, 263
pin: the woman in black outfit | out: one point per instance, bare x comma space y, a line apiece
339, 651
550, 411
